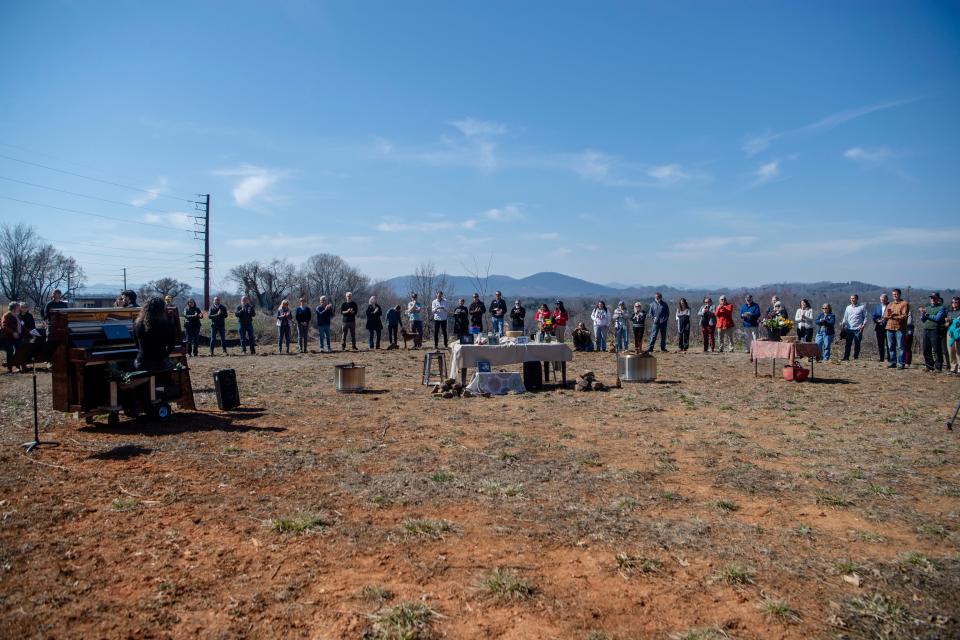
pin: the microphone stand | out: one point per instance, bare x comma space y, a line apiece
36, 442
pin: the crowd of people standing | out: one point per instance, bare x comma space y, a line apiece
720, 324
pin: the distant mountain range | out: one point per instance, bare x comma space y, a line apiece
557, 285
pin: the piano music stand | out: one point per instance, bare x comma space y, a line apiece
36, 442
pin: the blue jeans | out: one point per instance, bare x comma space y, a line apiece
283, 334
824, 341
621, 338
658, 330
853, 340
246, 338
895, 344
497, 326
601, 335
193, 338
216, 330
373, 337
323, 333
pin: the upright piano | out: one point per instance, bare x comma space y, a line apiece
93, 353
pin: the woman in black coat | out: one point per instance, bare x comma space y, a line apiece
517, 314
461, 319
374, 323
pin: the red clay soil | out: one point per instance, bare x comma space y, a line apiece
739, 507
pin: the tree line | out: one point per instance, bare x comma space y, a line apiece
30, 268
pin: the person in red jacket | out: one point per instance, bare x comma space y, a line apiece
724, 313
544, 320
560, 318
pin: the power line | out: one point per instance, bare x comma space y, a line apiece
87, 213
113, 247
83, 195
80, 175
128, 256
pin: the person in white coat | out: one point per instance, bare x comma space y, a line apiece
601, 322
803, 320
438, 310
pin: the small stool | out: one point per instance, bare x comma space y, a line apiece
428, 360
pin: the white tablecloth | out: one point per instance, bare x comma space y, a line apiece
496, 383
466, 356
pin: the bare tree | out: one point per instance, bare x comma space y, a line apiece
425, 282
479, 276
48, 269
247, 277
268, 283
276, 282
164, 287
331, 276
18, 244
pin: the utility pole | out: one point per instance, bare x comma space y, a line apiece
202, 231
124, 278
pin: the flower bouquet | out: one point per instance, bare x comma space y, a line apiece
777, 326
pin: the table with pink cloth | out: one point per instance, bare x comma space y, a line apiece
788, 351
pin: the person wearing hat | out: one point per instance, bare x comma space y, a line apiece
517, 314
498, 312
932, 318
477, 310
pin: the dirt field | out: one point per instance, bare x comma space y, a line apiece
708, 505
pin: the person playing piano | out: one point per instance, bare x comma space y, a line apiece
154, 335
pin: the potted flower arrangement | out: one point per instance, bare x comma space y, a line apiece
776, 326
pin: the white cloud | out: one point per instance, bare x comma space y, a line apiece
278, 241
868, 155
383, 145
471, 127
560, 252
507, 212
631, 203
154, 192
593, 165
667, 174
892, 237
176, 220
392, 225
755, 144
253, 184
714, 242
550, 235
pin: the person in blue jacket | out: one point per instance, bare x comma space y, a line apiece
750, 314
659, 315
826, 323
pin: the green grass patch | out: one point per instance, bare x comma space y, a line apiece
427, 528
406, 621
629, 565
506, 584
299, 523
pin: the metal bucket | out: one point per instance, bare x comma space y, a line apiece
637, 368
350, 378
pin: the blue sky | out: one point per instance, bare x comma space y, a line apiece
680, 143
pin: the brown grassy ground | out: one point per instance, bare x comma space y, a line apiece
708, 503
